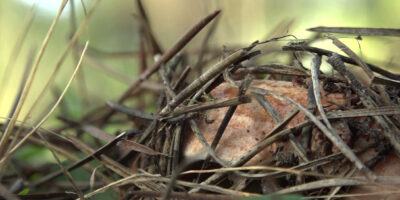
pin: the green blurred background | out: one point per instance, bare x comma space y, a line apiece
114, 29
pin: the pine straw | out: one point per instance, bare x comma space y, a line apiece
153, 167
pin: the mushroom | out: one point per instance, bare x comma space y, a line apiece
251, 123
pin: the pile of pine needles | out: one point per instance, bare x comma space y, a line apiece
151, 165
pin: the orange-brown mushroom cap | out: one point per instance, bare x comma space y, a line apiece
250, 122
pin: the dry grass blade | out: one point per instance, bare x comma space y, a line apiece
384, 110
315, 65
322, 184
12, 151
167, 135
93, 178
335, 190
7, 133
140, 148
58, 66
119, 182
98, 133
71, 43
137, 178
335, 182
358, 31
267, 168
353, 56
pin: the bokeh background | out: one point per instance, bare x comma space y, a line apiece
114, 37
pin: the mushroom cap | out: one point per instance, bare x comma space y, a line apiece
250, 122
